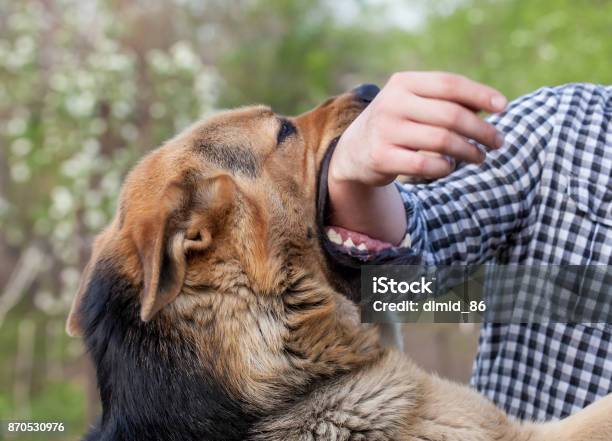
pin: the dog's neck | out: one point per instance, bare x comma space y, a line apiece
280, 345
214, 362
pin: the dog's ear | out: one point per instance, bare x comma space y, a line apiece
184, 221
74, 327
74, 323
165, 241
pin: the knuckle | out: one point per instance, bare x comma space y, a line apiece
418, 164
455, 116
449, 82
380, 108
409, 98
382, 103
480, 99
398, 79
493, 136
442, 138
490, 134
394, 79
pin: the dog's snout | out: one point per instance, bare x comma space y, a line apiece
366, 92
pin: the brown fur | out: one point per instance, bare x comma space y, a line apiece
218, 227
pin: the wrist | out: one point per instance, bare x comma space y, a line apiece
376, 211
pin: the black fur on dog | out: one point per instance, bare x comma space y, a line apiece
152, 385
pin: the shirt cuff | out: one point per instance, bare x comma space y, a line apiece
415, 219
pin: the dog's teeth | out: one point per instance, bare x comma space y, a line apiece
333, 236
362, 247
349, 243
407, 242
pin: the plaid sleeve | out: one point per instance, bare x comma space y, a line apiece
470, 215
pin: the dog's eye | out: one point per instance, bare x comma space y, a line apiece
286, 129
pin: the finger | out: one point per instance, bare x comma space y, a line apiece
399, 161
451, 116
453, 87
416, 136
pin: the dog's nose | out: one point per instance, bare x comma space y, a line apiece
366, 92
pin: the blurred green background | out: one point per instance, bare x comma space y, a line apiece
88, 86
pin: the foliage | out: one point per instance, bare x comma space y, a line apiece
86, 87
79, 107
520, 45
292, 54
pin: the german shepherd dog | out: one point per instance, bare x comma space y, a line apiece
210, 312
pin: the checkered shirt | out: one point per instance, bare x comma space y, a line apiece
545, 198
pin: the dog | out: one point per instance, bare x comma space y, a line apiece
211, 313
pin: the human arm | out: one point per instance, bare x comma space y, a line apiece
467, 216
415, 113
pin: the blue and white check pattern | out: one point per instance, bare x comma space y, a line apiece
545, 198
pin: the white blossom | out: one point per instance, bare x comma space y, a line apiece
184, 56
20, 172
16, 126
21, 146
62, 201
80, 105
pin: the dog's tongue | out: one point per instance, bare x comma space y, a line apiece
352, 240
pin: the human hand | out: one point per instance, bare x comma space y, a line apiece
414, 114
417, 125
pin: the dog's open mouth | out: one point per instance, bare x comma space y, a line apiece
353, 241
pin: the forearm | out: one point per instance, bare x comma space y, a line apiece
375, 211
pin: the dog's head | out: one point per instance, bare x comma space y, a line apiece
229, 202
